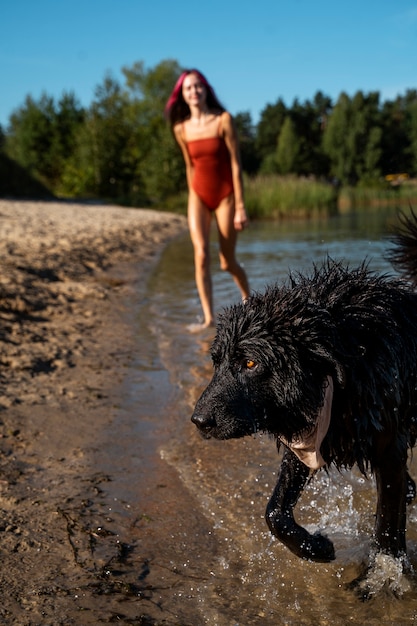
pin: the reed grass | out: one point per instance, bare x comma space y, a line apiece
272, 197
352, 198
275, 197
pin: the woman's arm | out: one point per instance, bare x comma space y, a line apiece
232, 143
180, 140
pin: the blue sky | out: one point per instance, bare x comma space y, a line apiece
253, 52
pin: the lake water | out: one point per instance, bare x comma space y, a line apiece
192, 509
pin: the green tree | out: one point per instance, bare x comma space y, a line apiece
246, 134
371, 170
69, 119
269, 127
109, 132
352, 139
160, 165
70, 116
311, 121
334, 139
42, 134
31, 136
410, 104
288, 148
413, 137
365, 136
395, 141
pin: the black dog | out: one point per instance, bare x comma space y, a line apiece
327, 364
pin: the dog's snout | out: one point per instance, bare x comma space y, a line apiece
203, 422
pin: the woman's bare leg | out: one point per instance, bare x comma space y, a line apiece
199, 221
227, 239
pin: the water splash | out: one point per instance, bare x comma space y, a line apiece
386, 573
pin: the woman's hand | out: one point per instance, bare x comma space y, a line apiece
240, 220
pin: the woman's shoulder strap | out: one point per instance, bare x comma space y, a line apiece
220, 124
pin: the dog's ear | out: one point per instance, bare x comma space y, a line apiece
337, 367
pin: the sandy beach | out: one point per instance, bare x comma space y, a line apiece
68, 273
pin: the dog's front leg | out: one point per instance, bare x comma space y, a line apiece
280, 518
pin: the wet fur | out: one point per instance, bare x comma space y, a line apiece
271, 356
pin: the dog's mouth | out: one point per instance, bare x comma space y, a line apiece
204, 435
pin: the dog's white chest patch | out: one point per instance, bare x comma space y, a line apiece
307, 446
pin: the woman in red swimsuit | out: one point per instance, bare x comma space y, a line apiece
206, 134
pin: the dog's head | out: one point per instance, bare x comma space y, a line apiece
271, 355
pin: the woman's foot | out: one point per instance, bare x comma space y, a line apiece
200, 327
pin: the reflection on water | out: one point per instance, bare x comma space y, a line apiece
268, 251
244, 576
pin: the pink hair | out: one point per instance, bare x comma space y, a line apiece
176, 98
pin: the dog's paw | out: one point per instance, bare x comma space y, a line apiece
383, 574
317, 548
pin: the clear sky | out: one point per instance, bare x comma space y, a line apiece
253, 52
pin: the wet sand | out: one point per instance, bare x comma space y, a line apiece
113, 508
69, 274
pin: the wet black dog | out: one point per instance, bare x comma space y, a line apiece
326, 363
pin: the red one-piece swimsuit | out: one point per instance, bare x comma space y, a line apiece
212, 178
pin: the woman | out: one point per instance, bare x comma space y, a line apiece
207, 137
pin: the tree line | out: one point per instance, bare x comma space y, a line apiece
121, 149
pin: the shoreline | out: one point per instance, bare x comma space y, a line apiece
69, 272
57, 260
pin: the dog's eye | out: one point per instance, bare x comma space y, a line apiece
250, 365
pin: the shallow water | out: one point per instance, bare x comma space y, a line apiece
198, 506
